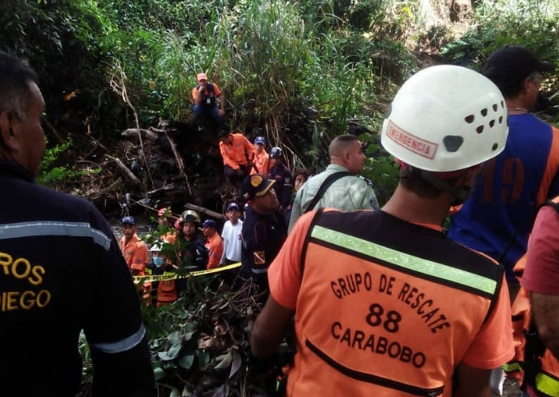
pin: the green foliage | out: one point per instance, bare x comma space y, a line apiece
200, 342
267, 50
53, 175
381, 168
533, 24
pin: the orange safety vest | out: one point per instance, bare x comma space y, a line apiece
533, 364
166, 291
413, 310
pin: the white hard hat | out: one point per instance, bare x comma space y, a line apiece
446, 118
190, 216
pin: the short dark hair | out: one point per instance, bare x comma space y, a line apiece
15, 93
415, 182
340, 143
302, 171
223, 134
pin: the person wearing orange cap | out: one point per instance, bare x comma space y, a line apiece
205, 97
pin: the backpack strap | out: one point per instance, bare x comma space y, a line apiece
551, 203
325, 185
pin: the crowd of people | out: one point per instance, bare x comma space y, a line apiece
383, 301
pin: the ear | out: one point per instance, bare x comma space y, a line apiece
346, 156
8, 130
526, 85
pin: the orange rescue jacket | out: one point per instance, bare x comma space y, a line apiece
415, 309
238, 153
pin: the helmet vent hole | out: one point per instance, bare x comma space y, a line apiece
469, 119
501, 120
502, 104
479, 129
484, 112
453, 142
492, 123
495, 107
495, 146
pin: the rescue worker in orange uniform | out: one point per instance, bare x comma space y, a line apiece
237, 153
134, 250
386, 304
166, 290
214, 243
261, 159
206, 96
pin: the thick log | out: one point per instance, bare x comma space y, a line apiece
127, 171
205, 211
137, 132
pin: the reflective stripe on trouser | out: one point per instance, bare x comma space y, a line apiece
548, 384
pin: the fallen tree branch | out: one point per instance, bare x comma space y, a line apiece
205, 211
126, 170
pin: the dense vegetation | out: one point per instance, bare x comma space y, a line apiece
297, 72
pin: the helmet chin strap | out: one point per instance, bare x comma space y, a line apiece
460, 194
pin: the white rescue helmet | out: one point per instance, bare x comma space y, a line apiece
276, 152
446, 118
156, 247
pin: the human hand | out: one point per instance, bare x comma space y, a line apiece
220, 112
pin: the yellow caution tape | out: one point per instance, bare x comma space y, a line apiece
173, 276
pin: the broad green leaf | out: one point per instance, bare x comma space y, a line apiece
186, 361
158, 373
170, 354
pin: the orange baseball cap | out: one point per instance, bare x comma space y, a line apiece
201, 76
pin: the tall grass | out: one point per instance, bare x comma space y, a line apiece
267, 49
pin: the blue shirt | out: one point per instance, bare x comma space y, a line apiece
498, 217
